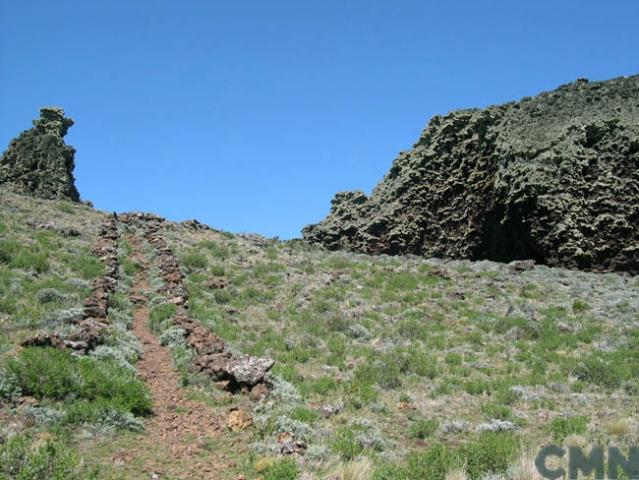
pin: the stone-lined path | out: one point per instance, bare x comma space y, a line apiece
176, 436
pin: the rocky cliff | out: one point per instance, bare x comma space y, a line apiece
38, 162
554, 178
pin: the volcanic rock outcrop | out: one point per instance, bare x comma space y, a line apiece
554, 178
38, 163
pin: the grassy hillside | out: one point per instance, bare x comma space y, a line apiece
386, 367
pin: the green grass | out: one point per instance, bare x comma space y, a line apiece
345, 444
561, 427
194, 261
422, 429
160, 314
284, 469
489, 453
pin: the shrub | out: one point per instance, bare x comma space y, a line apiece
194, 261
112, 354
69, 315
8, 250
299, 430
102, 413
489, 453
172, 337
303, 414
284, 391
422, 429
215, 248
58, 375
87, 266
607, 371
492, 452
49, 295
53, 460
285, 469
345, 444
561, 427
30, 260
160, 314
494, 411
580, 306
9, 386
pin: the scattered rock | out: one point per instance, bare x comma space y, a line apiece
217, 283
195, 225
329, 410
239, 420
455, 426
497, 426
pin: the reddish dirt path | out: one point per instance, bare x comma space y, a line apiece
180, 427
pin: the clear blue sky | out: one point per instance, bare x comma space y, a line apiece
250, 115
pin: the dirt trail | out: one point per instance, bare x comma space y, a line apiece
180, 428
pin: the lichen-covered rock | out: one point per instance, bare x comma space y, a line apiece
38, 163
554, 178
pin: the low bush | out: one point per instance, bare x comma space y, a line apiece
561, 427
31, 260
215, 248
49, 373
50, 295
54, 460
345, 444
489, 453
285, 469
194, 261
422, 429
87, 266
160, 314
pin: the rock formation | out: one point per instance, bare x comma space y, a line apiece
38, 162
554, 178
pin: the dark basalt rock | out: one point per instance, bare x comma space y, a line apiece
554, 178
38, 163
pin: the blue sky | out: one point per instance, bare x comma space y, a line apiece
250, 115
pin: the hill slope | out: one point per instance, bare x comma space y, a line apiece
553, 178
393, 367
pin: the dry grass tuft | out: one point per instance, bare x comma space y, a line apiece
359, 469
458, 473
524, 468
619, 428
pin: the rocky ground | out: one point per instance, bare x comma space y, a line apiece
211, 355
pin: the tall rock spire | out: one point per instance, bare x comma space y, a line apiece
39, 163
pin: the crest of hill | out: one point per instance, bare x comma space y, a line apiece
554, 178
39, 163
